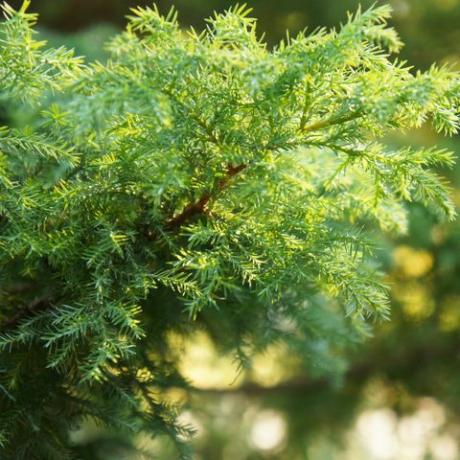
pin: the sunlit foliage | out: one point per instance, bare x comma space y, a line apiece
196, 181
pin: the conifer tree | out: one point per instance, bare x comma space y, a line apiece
195, 181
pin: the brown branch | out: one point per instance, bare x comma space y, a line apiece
301, 384
38, 305
199, 206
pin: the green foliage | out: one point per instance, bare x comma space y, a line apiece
27, 69
196, 181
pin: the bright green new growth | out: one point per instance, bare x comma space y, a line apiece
195, 181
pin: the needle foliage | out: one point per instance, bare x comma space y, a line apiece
195, 181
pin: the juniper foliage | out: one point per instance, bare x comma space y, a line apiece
195, 181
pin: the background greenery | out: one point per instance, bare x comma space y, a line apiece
400, 398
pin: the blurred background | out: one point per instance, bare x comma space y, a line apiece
400, 396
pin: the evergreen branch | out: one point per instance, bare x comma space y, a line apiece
128, 133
